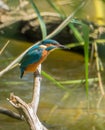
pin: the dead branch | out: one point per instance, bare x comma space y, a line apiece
29, 111
1, 51
98, 70
10, 113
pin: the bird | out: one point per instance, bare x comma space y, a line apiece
37, 54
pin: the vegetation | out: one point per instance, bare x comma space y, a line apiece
87, 36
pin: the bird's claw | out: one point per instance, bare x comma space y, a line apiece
37, 74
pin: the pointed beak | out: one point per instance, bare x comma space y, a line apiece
63, 47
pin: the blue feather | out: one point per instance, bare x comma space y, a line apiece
49, 41
32, 56
35, 53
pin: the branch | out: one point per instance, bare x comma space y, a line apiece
65, 22
10, 113
36, 90
27, 111
30, 110
1, 51
98, 70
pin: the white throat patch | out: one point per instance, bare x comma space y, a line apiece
43, 46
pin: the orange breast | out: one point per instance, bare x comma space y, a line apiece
33, 67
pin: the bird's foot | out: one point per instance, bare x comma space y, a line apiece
37, 74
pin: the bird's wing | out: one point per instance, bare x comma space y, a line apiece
31, 56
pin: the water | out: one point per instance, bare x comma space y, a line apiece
58, 109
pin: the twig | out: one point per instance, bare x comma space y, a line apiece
98, 70
30, 110
65, 22
100, 100
10, 113
1, 51
13, 63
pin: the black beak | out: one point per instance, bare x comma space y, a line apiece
63, 47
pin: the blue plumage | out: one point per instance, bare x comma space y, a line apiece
32, 56
37, 55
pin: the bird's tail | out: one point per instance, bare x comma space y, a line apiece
21, 73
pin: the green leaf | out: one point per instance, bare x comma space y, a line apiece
76, 33
56, 8
86, 52
42, 23
78, 81
65, 22
52, 79
75, 30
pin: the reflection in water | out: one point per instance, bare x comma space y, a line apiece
58, 109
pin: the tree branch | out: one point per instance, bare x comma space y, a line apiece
36, 89
29, 111
10, 113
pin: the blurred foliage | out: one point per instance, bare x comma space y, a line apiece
81, 29
87, 34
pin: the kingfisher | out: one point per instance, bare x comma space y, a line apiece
37, 54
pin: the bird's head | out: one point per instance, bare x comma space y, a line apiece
50, 44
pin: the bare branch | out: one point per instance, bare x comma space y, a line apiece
1, 51
36, 90
10, 113
28, 112
98, 70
